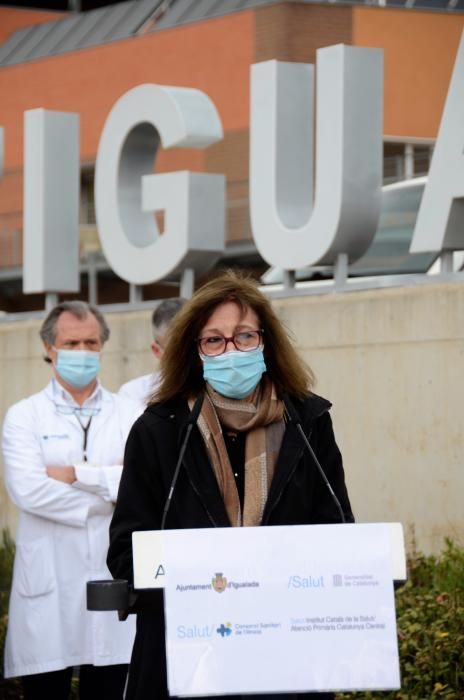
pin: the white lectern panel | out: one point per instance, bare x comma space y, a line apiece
280, 609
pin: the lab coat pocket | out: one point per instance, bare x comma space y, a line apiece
34, 568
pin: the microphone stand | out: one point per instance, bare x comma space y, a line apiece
294, 417
192, 419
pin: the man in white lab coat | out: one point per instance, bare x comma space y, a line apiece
63, 451
142, 388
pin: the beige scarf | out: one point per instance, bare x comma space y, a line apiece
260, 416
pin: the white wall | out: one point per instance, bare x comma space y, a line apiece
390, 360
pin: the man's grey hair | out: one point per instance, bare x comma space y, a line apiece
79, 309
163, 315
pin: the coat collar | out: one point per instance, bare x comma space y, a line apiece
101, 399
54, 391
308, 409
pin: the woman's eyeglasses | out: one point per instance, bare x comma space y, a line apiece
245, 341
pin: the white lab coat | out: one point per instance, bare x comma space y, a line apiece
62, 537
141, 389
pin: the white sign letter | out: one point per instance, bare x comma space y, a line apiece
51, 202
288, 230
127, 193
440, 221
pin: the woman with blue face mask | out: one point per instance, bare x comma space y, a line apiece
245, 464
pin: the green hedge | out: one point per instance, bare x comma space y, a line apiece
9, 689
430, 614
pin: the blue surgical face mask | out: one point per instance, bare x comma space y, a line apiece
234, 374
77, 367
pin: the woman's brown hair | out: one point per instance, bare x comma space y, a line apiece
181, 366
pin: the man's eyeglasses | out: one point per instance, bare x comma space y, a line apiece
245, 341
85, 411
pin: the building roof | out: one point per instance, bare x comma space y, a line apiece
127, 19
77, 31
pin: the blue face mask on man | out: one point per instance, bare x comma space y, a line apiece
234, 374
77, 367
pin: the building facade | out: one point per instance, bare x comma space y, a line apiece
84, 62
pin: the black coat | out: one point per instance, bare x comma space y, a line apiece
297, 496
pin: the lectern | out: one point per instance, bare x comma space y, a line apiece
274, 610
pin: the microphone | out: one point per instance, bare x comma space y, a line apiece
191, 420
294, 417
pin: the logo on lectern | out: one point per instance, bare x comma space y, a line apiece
219, 583
225, 630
